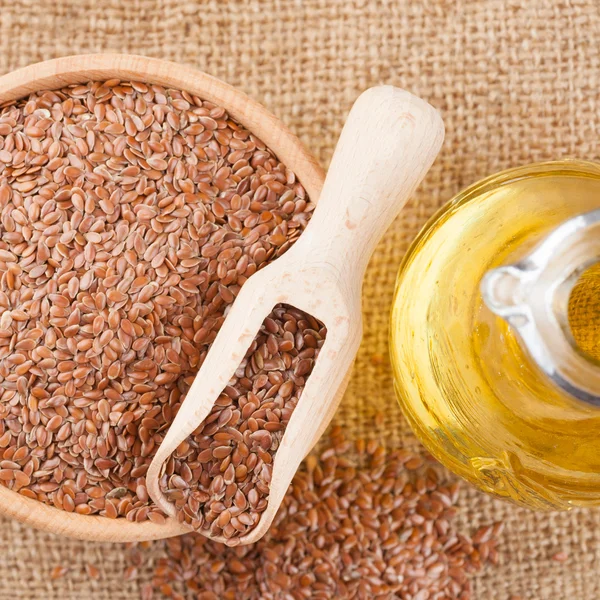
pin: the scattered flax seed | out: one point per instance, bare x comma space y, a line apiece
352, 525
92, 572
58, 572
130, 573
130, 215
560, 557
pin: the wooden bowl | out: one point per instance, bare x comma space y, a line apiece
55, 74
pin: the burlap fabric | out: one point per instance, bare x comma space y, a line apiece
515, 80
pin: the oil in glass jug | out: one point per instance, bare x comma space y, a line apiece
495, 335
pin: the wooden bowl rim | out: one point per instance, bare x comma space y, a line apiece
64, 71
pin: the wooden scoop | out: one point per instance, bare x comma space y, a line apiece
387, 145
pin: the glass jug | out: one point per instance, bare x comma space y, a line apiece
495, 335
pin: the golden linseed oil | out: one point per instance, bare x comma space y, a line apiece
470, 391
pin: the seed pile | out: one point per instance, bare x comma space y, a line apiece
375, 526
219, 477
130, 215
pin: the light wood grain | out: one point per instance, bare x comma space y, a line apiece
57, 73
387, 145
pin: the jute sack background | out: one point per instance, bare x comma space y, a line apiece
515, 80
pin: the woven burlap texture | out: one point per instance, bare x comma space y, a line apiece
516, 81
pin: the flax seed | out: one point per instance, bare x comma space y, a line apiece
322, 544
142, 213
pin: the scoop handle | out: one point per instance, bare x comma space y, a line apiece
386, 147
